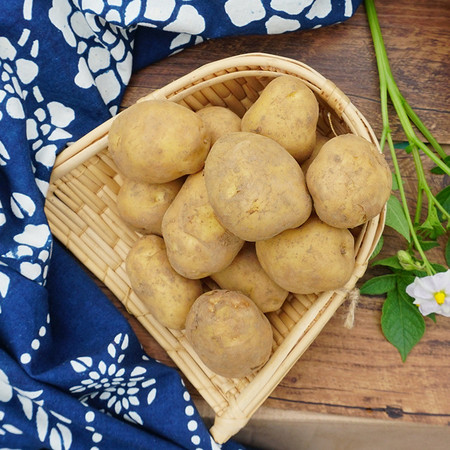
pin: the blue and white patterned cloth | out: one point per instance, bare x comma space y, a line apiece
72, 373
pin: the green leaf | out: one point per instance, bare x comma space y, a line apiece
377, 248
447, 252
427, 245
392, 262
443, 197
401, 145
432, 316
437, 170
401, 321
439, 268
395, 217
379, 285
432, 226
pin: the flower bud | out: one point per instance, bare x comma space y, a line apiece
408, 262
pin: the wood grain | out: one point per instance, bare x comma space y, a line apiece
356, 372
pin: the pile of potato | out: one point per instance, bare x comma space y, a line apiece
263, 205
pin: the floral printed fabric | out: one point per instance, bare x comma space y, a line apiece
72, 373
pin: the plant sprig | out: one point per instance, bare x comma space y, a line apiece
401, 322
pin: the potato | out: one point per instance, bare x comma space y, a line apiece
197, 244
142, 205
219, 120
349, 181
255, 187
230, 334
167, 295
313, 258
286, 111
320, 140
246, 275
157, 141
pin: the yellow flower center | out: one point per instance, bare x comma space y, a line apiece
439, 297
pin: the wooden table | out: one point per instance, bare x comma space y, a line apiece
351, 376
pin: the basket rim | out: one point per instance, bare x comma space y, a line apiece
304, 332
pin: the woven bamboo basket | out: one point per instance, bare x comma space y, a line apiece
81, 209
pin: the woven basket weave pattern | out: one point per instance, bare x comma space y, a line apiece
81, 209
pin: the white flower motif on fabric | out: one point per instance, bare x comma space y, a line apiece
100, 64
159, 10
188, 21
292, 7
4, 155
240, 17
37, 236
25, 358
50, 425
7, 427
20, 82
31, 242
4, 286
132, 11
319, 9
192, 425
348, 11
118, 390
278, 25
22, 205
96, 437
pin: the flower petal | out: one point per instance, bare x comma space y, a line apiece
428, 308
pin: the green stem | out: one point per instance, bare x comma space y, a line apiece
418, 164
429, 269
388, 85
403, 109
424, 187
399, 105
423, 129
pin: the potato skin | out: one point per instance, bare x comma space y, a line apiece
142, 205
349, 181
286, 111
255, 187
167, 294
246, 275
320, 141
219, 121
313, 258
197, 244
157, 141
230, 334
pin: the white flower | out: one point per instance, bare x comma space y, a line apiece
432, 294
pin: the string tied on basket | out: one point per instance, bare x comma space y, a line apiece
353, 297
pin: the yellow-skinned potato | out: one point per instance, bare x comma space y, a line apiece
349, 181
197, 244
313, 258
256, 188
142, 205
167, 294
246, 275
320, 140
286, 111
219, 120
157, 141
229, 333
